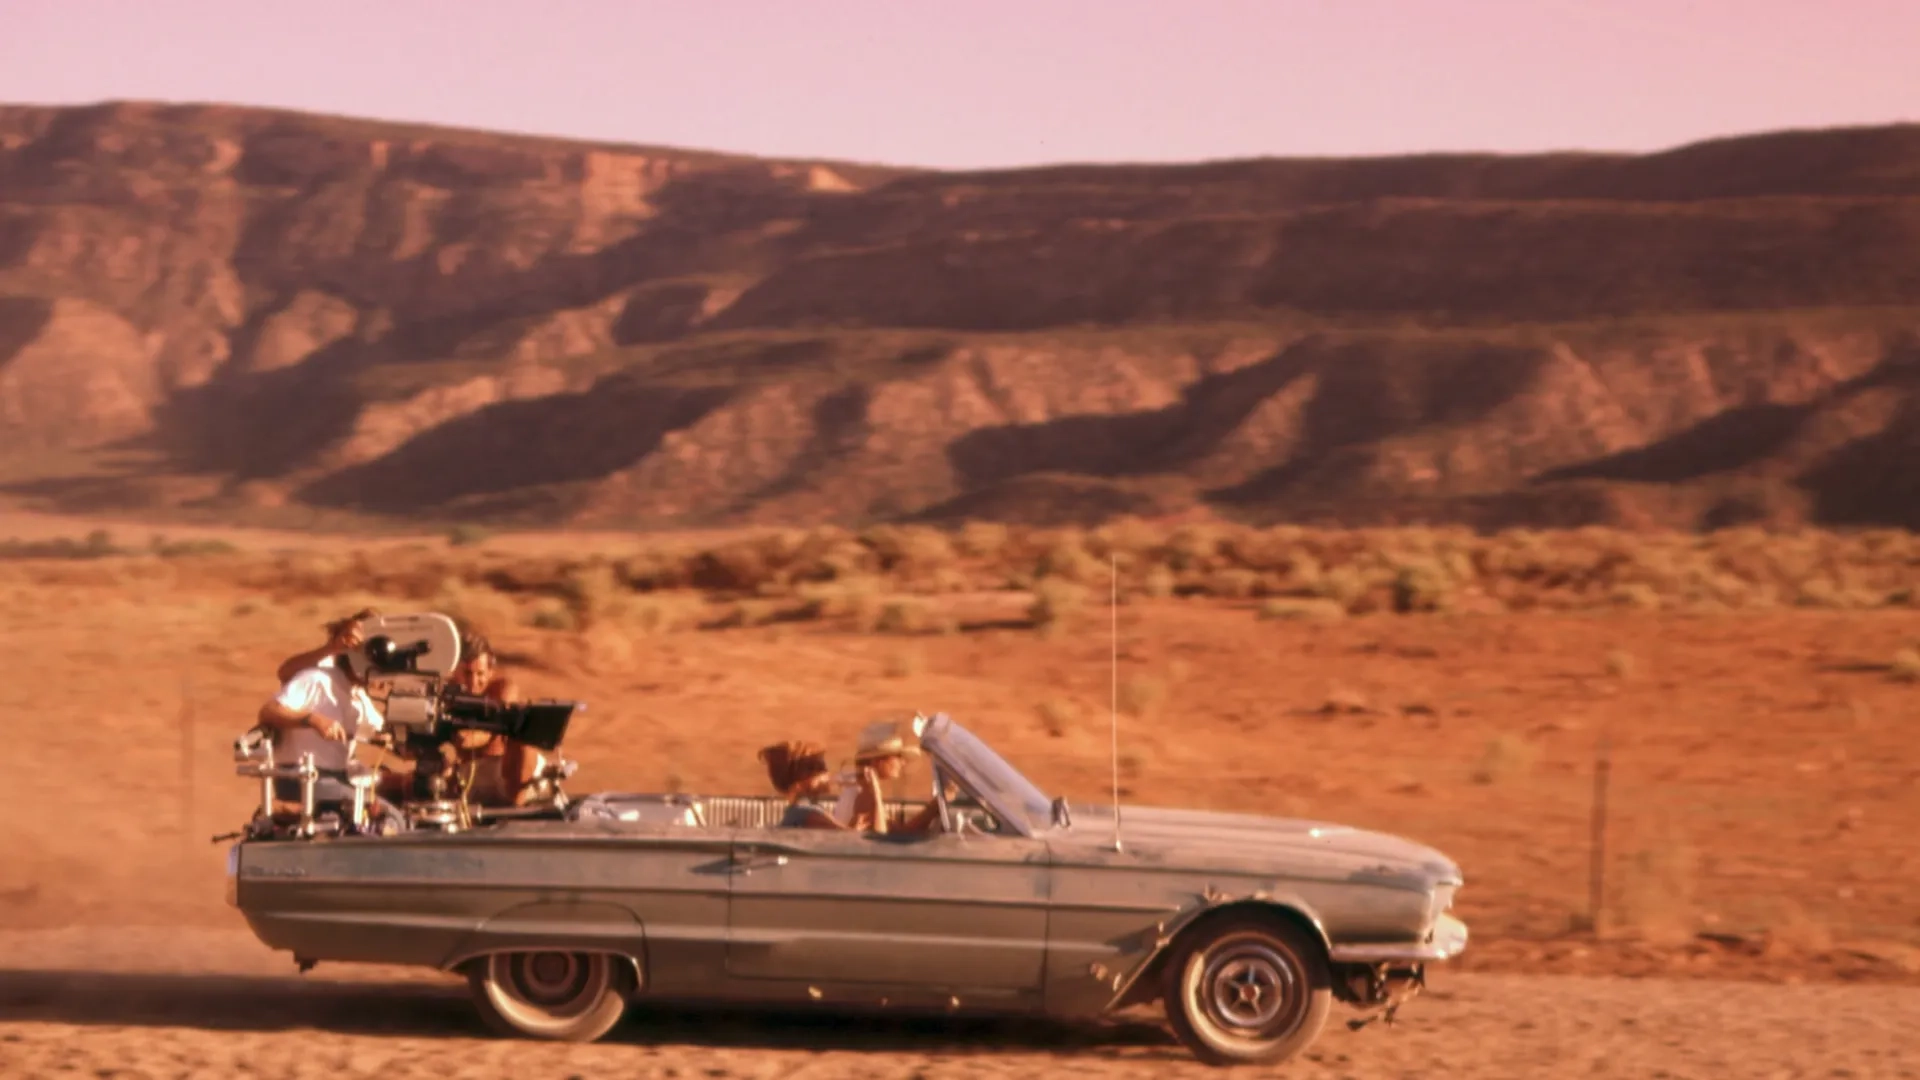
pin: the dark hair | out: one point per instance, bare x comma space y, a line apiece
475, 646
790, 764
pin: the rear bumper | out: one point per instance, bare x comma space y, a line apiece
1448, 940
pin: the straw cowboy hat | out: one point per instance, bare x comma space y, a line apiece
882, 739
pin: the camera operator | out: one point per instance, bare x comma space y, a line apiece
318, 708
499, 771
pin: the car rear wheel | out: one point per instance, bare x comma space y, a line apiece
1247, 990
563, 996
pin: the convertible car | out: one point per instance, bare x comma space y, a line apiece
1247, 928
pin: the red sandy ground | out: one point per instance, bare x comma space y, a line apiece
1765, 790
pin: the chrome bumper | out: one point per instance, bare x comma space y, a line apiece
1448, 940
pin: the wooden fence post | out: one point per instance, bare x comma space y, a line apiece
1597, 869
186, 763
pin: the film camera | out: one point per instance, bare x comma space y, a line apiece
408, 660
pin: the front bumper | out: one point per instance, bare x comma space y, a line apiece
1447, 940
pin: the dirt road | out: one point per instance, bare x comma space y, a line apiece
162, 1003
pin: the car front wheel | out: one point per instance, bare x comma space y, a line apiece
568, 997
1248, 990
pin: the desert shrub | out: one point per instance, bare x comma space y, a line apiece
595, 594
1058, 716
97, 544
1655, 894
743, 614
1193, 547
1057, 602
904, 662
602, 649
1410, 571
466, 535
1638, 596
983, 539
908, 616
553, 615
1142, 695
1342, 700
1067, 559
476, 607
1906, 665
831, 555
1293, 607
660, 613
1128, 539
857, 598
1506, 757
909, 551
1233, 583
186, 549
1620, 664
737, 567
1421, 585
653, 570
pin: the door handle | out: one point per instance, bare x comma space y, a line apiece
745, 866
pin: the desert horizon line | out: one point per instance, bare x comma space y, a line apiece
1568, 151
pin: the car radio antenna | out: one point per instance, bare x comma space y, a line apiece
1113, 698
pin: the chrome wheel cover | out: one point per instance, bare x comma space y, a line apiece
544, 992
1248, 988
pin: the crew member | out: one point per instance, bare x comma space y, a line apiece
497, 771
317, 710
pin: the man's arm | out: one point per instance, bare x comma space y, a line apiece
342, 635
299, 662
520, 768
869, 805
293, 707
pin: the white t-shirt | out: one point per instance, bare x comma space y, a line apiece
849, 794
325, 691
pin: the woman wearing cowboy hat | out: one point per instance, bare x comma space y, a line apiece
881, 755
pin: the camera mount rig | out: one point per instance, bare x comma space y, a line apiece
407, 663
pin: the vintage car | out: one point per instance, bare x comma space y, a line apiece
1247, 928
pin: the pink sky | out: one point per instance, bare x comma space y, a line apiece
974, 83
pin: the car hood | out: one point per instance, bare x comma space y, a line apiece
1207, 839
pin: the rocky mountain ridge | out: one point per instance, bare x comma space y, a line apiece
252, 313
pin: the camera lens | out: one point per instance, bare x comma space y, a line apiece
380, 651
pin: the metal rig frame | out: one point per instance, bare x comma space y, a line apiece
253, 757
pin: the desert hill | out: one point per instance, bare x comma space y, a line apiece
258, 314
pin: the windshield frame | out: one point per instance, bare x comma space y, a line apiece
1006, 790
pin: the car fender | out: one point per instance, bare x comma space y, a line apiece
1205, 908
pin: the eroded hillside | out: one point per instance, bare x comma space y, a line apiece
255, 313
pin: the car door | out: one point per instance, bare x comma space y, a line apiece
875, 916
